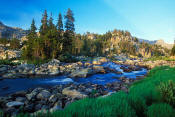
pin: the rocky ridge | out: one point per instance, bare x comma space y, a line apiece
11, 32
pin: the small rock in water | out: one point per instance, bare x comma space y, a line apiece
5, 88
14, 104
21, 99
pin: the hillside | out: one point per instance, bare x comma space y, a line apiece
11, 32
164, 44
122, 42
158, 42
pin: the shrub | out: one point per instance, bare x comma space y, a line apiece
67, 58
8, 62
160, 110
167, 90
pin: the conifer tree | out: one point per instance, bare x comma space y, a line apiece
69, 24
44, 26
60, 23
69, 31
51, 26
32, 32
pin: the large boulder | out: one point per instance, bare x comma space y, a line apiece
34, 93
82, 73
98, 69
8, 54
53, 70
44, 94
73, 93
99, 61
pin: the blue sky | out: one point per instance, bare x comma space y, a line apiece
147, 19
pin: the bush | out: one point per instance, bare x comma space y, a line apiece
167, 90
160, 110
8, 62
67, 58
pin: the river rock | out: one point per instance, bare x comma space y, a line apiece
14, 104
20, 99
44, 94
99, 61
98, 69
33, 93
53, 98
55, 108
82, 73
87, 64
9, 75
73, 93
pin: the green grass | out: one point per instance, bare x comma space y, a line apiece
159, 58
160, 110
143, 100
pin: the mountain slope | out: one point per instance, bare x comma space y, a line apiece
11, 32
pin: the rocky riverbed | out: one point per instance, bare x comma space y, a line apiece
59, 84
57, 97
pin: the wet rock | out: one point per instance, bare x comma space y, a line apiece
73, 93
99, 61
82, 73
32, 94
87, 64
14, 104
10, 110
54, 62
55, 108
29, 108
20, 99
8, 75
53, 98
43, 95
19, 94
38, 107
5, 88
98, 69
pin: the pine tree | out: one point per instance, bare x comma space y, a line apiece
44, 26
69, 24
51, 25
60, 23
69, 33
32, 33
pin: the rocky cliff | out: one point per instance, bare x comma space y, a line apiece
11, 32
164, 44
158, 42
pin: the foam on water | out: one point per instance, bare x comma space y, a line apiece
64, 80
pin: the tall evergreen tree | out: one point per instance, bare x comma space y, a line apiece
69, 24
32, 34
44, 26
51, 25
69, 31
60, 23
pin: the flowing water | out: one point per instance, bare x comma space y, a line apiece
8, 86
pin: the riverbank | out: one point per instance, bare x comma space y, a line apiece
56, 68
95, 78
145, 99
